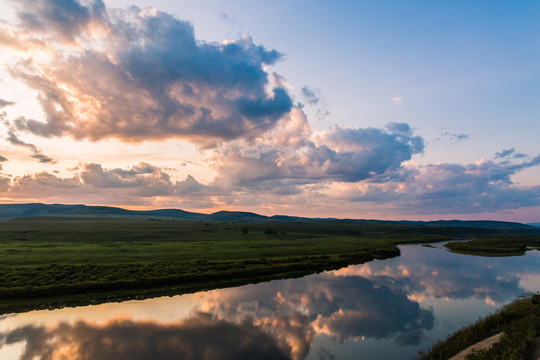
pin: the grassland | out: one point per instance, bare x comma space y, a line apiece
496, 245
50, 262
519, 322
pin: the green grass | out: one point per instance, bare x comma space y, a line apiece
519, 322
50, 262
496, 245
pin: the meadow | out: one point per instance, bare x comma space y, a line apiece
51, 262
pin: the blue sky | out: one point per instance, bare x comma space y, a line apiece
397, 110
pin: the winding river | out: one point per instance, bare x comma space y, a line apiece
388, 309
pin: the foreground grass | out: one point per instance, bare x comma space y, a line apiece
51, 262
519, 322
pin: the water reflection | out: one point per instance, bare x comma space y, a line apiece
383, 302
344, 308
201, 336
430, 273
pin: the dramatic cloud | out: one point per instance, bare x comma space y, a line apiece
140, 74
338, 154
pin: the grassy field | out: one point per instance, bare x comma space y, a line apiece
51, 262
519, 322
496, 245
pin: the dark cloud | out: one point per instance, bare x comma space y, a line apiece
13, 139
2, 158
4, 103
44, 158
309, 95
141, 74
509, 153
505, 153
399, 128
198, 337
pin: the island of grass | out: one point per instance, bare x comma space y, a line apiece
51, 262
489, 245
519, 323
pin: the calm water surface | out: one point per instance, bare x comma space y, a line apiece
387, 309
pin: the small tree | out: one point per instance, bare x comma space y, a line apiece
244, 230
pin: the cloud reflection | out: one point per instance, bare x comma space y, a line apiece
200, 337
344, 308
435, 275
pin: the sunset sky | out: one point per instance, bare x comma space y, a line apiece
393, 110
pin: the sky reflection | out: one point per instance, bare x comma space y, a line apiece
384, 303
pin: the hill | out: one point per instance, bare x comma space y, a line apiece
9, 211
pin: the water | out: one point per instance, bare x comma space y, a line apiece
387, 309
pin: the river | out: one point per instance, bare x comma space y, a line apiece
384, 309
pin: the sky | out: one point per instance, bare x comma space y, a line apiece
416, 110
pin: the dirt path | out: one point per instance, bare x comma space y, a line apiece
484, 344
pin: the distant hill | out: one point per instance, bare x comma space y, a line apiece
534, 224
62, 210
470, 223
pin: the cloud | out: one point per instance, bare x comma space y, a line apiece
457, 137
399, 128
4, 103
65, 20
504, 153
338, 154
13, 139
139, 74
309, 95
200, 336
509, 153
2, 158
313, 97
397, 100
141, 184
453, 188
269, 177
